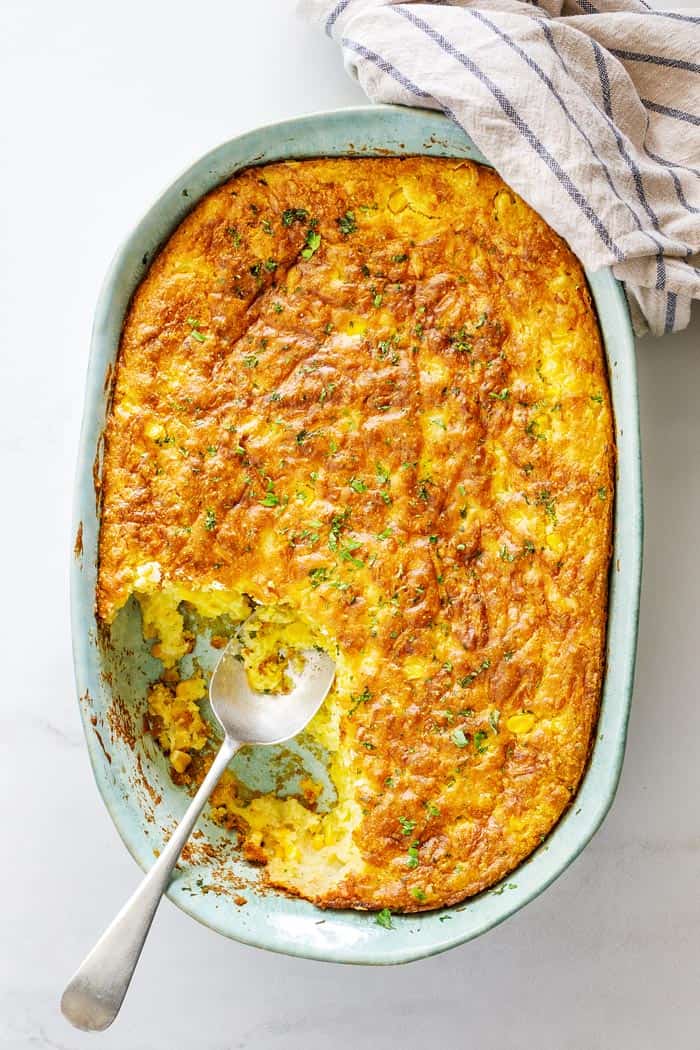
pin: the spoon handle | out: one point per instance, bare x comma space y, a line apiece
95, 993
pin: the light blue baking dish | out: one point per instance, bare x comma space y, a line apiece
111, 676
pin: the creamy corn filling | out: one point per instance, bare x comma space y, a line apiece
294, 840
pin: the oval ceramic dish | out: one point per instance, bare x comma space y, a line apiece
111, 675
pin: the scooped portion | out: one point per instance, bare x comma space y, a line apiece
366, 400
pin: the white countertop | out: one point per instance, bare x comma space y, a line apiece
102, 104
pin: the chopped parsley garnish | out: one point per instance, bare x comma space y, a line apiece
412, 861
382, 474
364, 696
433, 810
194, 330
270, 499
399, 258
357, 485
473, 675
235, 236
346, 223
346, 553
318, 575
598, 398
407, 825
267, 228
544, 499
338, 522
482, 321
270, 265
383, 918
480, 738
377, 300
292, 215
461, 343
423, 492
277, 307
494, 716
602, 493
311, 244
503, 396
209, 519
386, 534
418, 894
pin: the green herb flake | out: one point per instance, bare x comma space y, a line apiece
346, 223
364, 696
419, 895
209, 519
266, 227
318, 575
473, 675
194, 330
458, 738
494, 716
292, 215
602, 493
277, 307
386, 534
544, 499
311, 244
407, 825
270, 499
433, 810
357, 485
383, 918
598, 398
480, 738
503, 396
412, 861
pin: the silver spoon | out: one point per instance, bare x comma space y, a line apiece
95, 993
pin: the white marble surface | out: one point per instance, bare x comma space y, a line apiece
102, 104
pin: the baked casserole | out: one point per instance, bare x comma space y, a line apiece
362, 404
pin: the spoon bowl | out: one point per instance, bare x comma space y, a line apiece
251, 717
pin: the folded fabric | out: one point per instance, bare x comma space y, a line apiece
591, 112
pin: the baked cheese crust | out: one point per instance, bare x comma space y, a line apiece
367, 398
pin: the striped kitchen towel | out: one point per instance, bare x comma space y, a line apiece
589, 110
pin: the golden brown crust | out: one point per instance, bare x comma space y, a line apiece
408, 434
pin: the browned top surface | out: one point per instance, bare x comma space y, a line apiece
407, 434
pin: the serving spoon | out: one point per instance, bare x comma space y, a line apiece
95, 993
